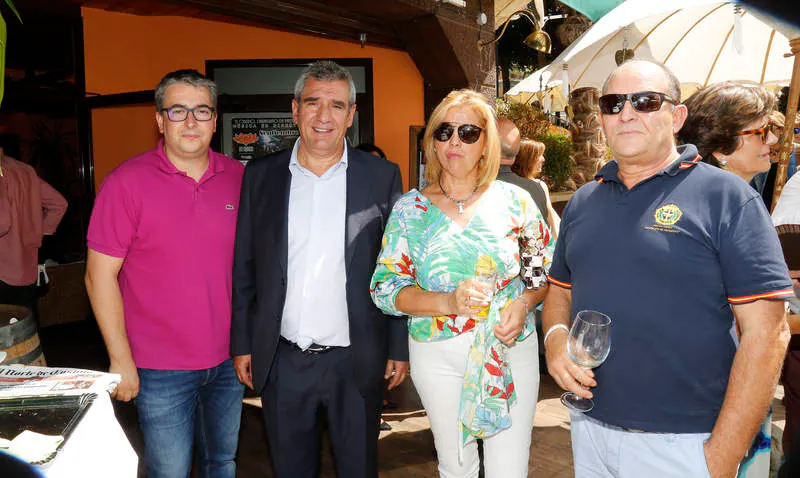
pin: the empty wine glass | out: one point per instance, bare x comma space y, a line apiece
588, 344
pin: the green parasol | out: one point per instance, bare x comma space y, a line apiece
593, 9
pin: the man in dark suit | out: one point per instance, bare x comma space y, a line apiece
305, 332
510, 139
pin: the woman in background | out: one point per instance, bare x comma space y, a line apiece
729, 122
529, 164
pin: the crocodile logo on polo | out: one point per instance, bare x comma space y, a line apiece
668, 215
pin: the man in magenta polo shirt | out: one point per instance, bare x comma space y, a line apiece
159, 279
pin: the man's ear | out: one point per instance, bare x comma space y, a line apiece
679, 115
351, 115
295, 110
160, 122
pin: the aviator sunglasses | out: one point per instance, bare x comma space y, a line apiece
468, 133
643, 102
763, 132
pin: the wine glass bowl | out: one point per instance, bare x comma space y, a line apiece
487, 281
486, 278
588, 345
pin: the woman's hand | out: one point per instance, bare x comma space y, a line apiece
468, 299
512, 320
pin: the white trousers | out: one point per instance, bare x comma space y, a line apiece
438, 373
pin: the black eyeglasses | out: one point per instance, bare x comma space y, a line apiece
468, 133
180, 112
642, 101
763, 132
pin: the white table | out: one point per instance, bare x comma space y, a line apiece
98, 447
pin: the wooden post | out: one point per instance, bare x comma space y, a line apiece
791, 112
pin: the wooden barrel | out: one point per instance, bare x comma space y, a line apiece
19, 340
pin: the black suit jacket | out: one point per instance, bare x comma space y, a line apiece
261, 256
506, 175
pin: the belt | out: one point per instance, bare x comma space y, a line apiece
633, 430
615, 427
311, 349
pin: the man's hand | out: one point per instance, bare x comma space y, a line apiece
243, 366
128, 387
512, 319
564, 371
716, 467
397, 371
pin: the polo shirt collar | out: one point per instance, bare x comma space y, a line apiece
214, 164
688, 158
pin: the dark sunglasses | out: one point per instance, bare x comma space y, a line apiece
468, 133
763, 132
643, 102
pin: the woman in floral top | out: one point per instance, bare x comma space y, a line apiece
473, 347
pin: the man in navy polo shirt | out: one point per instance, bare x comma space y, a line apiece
674, 251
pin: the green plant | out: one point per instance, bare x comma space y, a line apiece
3, 42
558, 159
531, 120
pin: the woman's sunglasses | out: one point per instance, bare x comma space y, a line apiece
468, 133
763, 132
643, 102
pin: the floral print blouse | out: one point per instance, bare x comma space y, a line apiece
423, 247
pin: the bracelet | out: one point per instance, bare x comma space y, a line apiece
550, 331
527, 306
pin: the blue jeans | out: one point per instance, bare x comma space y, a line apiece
177, 408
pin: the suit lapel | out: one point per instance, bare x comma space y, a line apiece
281, 185
359, 200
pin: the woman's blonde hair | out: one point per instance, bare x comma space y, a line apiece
490, 160
530, 151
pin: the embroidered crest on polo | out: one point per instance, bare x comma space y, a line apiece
668, 215
229, 207
665, 218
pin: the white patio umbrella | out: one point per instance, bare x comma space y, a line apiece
701, 41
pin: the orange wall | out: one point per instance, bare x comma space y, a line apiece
119, 133
131, 53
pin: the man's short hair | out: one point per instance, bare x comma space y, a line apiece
507, 151
325, 70
188, 77
674, 84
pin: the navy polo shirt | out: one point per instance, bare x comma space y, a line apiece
665, 260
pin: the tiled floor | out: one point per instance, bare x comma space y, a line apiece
406, 451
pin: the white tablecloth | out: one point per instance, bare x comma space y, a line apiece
97, 448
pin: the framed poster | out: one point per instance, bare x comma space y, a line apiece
246, 136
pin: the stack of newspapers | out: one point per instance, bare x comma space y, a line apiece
40, 406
